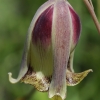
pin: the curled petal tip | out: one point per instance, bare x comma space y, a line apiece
12, 80
90, 70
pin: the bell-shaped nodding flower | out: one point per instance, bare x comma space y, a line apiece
47, 61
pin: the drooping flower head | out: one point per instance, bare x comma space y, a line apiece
49, 48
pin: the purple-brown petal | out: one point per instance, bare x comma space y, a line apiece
61, 41
76, 25
43, 27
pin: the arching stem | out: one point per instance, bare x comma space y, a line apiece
90, 7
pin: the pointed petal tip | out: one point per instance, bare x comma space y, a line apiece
75, 78
12, 80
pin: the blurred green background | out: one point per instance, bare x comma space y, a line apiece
15, 18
